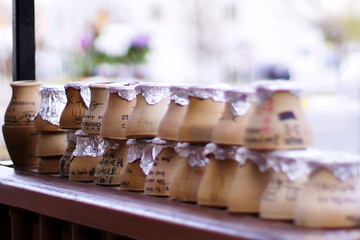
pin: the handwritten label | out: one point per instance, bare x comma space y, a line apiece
110, 167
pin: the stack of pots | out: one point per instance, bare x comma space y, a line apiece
278, 123
122, 100
78, 97
19, 130
89, 145
159, 179
141, 127
52, 141
206, 105
224, 152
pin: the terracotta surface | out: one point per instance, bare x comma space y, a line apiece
115, 212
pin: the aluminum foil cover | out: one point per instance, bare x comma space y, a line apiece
215, 93
193, 153
160, 144
88, 145
111, 144
294, 163
239, 100
180, 95
152, 92
141, 149
125, 90
221, 152
53, 101
84, 90
264, 89
257, 157
70, 135
342, 165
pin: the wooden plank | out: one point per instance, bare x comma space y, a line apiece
5, 222
138, 216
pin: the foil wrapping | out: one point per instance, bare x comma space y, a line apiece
88, 145
264, 89
111, 144
141, 149
239, 100
214, 93
84, 90
294, 163
257, 157
125, 90
53, 101
221, 152
160, 144
193, 153
153, 93
342, 165
180, 95
70, 135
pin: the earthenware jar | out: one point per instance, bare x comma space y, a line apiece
331, 198
21, 143
24, 103
230, 129
250, 181
189, 172
140, 161
66, 158
121, 103
111, 166
215, 185
151, 105
289, 176
205, 108
278, 121
53, 101
78, 100
99, 96
86, 156
51, 144
49, 164
19, 131
158, 180
170, 124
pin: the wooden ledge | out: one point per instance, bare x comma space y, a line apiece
139, 216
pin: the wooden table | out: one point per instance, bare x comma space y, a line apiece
138, 216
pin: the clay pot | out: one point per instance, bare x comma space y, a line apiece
247, 188
86, 156
49, 164
288, 178
51, 144
24, 103
53, 101
77, 94
187, 178
91, 121
111, 166
21, 143
160, 177
278, 121
121, 103
170, 124
151, 106
139, 162
215, 186
230, 129
66, 158
331, 198
204, 110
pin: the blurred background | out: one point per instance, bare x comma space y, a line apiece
314, 42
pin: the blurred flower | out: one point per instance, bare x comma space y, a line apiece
87, 41
140, 41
